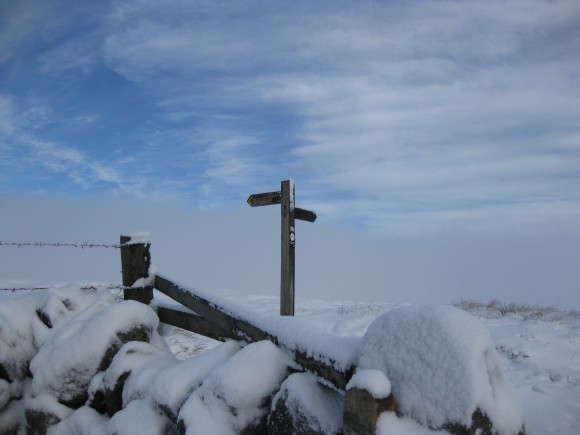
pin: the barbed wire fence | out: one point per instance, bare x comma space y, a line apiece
115, 289
81, 245
83, 287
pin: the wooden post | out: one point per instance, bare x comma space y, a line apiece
135, 262
288, 250
362, 410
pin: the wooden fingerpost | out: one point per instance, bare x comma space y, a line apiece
289, 213
135, 262
288, 246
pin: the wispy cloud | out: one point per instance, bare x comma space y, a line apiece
417, 113
25, 153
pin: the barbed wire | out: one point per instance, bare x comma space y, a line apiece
85, 287
81, 245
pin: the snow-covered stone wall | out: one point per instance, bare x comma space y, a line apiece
74, 361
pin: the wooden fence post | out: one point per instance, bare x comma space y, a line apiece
362, 410
135, 262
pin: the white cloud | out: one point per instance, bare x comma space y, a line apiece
449, 105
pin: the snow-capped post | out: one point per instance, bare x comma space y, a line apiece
289, 213
135, 262
368, 394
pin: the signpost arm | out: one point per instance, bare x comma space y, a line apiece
288, 249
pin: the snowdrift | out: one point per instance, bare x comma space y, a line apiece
74, 361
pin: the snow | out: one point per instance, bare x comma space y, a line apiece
140, 417
371, 380
143, 361
72, 355
84, 420
321, 405
389, 424
232, 397
539, 356
47, 403
173, 386
4, 393
293, 333
147, 281
542, 359
443, 366
138, 238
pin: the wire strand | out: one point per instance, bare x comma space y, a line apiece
81, 245
86, 287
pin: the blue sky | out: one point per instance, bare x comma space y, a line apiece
395, 119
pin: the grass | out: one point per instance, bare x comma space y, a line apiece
496, 307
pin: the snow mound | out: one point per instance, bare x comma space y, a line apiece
443, 367
26, 321
84, 420
371, 380
236, 395
139, 417
304, 406
86, 344
388, 424
174, 385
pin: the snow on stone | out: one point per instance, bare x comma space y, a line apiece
46, 403
443, 366
11, 417
19, 329
389, 424
304, 397
173, 386
4, 393
231, 398
371, 380
141, 381
26, 320
72, 354
84, 420
542, 359
138, 418
132, 358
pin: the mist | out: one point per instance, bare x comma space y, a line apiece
238, 249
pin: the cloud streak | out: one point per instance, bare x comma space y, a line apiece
418, 113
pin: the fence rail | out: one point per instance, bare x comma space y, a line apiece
220, 325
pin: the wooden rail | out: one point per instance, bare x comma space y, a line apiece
219, 325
